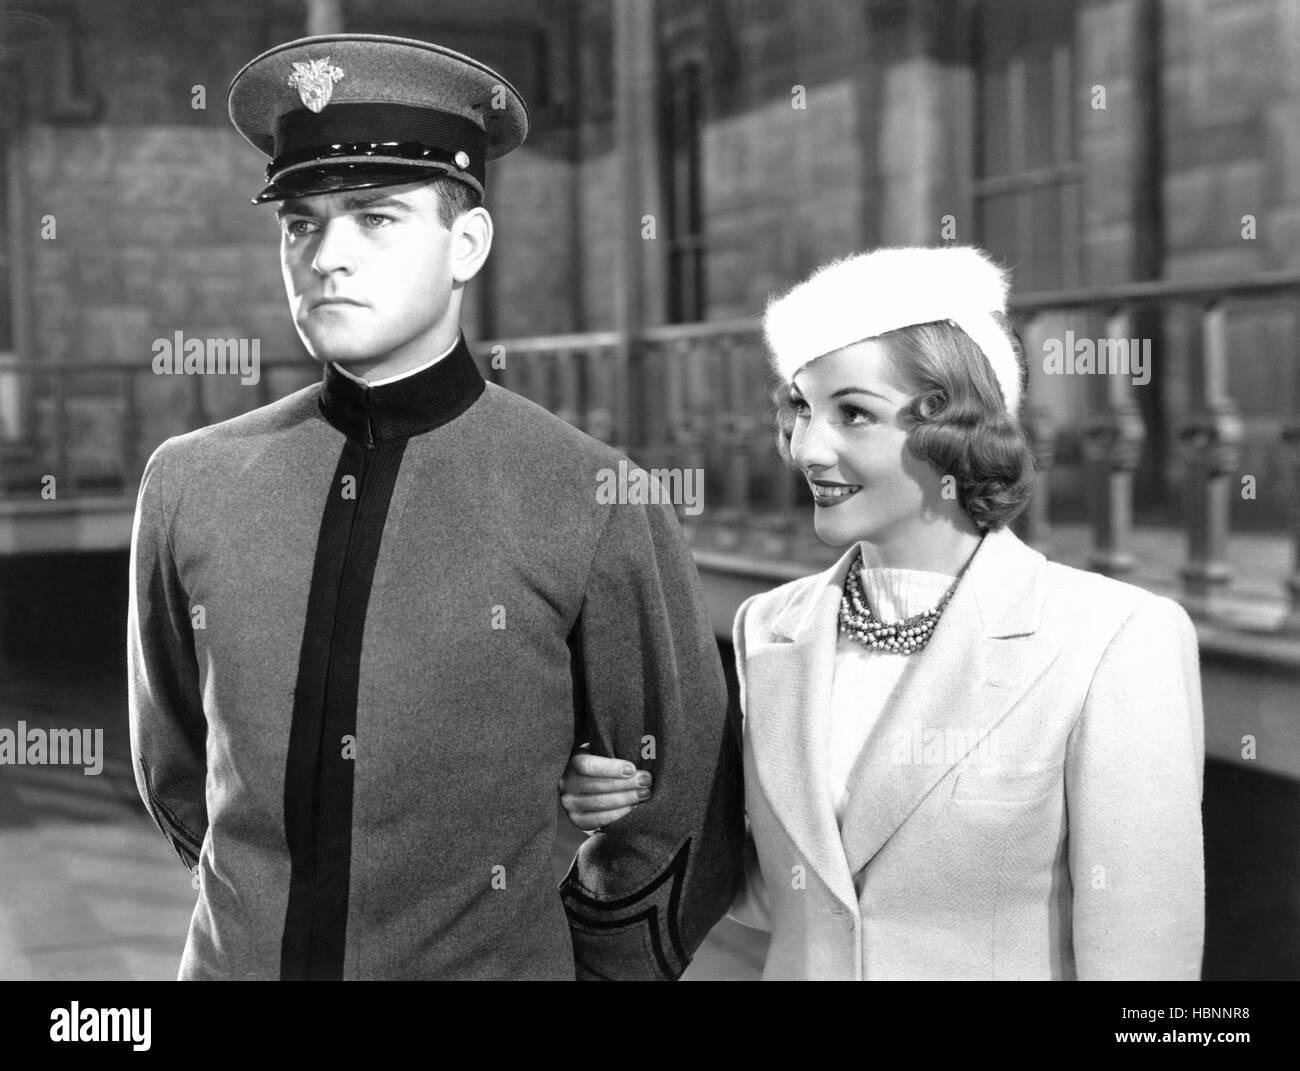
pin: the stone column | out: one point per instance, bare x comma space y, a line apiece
640, 279
921, 89
324, 16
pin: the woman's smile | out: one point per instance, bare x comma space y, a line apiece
827, 493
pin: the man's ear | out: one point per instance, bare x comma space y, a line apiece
471, 242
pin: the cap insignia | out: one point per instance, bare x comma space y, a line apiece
314, 81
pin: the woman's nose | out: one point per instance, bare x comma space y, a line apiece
811, 444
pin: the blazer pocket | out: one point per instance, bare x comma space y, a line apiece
993, 785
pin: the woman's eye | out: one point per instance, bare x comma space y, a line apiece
853, 415
799, 406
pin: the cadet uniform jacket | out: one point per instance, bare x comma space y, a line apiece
1029, 807
366, 628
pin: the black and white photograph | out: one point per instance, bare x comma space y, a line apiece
632, 490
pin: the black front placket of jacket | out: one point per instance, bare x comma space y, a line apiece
377, 424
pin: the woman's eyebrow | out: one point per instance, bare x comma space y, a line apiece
858, 390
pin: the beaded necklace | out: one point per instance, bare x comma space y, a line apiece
899, 637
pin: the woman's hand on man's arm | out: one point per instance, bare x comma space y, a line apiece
596, 791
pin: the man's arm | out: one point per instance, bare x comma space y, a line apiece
642, 895
168, 729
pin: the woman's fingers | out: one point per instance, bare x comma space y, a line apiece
599, 820
599, 786
597, 791
596, 775
585, 764
594, 804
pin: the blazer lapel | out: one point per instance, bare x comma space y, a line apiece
965, 681
791, 679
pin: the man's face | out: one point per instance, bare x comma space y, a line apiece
369, 274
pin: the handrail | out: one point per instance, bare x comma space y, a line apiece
551, 343
704, 329
74, 368
1261, 284
694, 395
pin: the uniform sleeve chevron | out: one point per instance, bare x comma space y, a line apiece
635, 936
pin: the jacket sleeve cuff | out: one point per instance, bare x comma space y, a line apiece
635, 937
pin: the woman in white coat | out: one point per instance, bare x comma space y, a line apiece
962, 761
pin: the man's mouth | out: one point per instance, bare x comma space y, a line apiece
334, 301
829, 493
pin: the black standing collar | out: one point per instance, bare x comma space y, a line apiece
411, 406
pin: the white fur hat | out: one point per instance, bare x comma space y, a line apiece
869, 294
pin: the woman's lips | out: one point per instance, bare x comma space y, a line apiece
828, 495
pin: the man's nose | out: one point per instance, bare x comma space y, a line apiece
336, 246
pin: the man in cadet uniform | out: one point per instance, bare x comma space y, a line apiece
369, 622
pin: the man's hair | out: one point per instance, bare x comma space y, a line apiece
455, 198
956, 419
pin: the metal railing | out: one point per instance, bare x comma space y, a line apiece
697, 396
1211, 432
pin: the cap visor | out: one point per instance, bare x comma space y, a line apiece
340, 178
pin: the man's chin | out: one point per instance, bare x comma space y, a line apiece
353, 357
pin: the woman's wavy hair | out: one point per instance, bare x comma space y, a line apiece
956, 419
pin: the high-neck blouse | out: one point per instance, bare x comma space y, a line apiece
866, 680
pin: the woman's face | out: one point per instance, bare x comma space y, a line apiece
851, 446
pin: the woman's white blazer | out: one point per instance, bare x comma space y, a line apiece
1028, 807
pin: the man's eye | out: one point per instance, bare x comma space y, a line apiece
374, 219
298, 227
